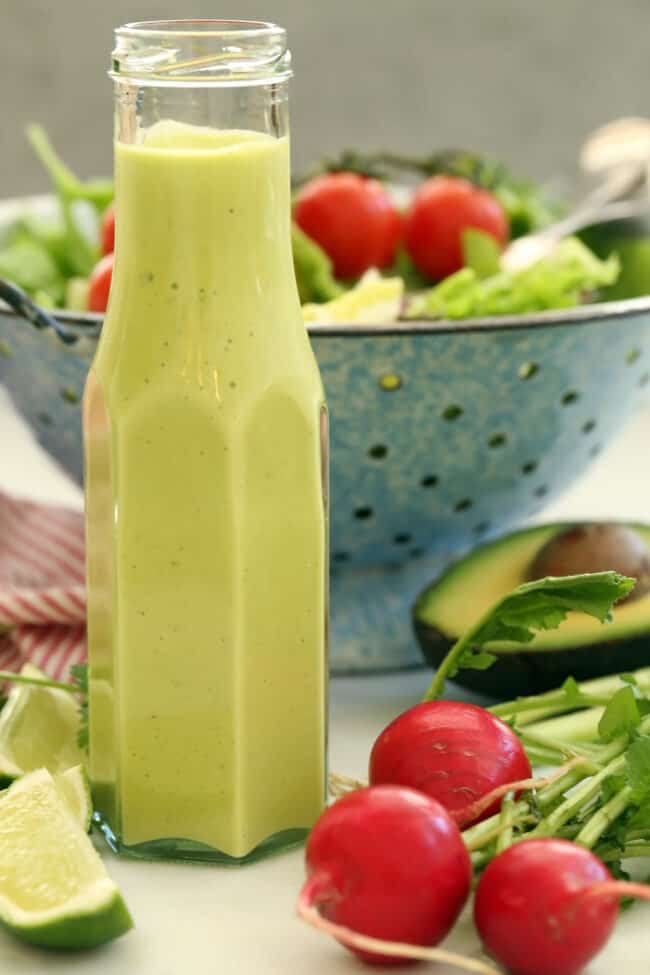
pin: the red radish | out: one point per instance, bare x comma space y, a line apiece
388, 863
454, 752
547, 906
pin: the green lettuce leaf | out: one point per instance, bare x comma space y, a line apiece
559, 280
313, 268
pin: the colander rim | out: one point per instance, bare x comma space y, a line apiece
90, 322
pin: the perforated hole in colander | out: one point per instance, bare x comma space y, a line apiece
632, 356
378, 451
529, 467
390, 382
429, 481
402, 538
363, 513
571, 396
497, 440
463, 505
452, 412
588, 426
527, 370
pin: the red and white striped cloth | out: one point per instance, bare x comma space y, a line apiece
42, 587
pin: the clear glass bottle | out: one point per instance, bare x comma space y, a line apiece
205, 434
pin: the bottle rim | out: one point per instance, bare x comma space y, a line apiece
201, 52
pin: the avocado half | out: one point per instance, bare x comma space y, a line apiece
580, 647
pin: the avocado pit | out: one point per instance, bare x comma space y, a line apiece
595, 547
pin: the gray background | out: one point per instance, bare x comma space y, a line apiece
524, 80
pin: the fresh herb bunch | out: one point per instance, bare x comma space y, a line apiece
597, 732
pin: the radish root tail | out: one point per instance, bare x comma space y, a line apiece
620, 888
339, 785
308, 912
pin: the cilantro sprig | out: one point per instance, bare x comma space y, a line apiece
539, 605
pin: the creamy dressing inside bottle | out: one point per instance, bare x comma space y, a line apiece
205, 434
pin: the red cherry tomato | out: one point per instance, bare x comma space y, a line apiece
99, 283
441, 209
352, 218
108, 231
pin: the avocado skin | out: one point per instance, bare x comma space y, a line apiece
530, 672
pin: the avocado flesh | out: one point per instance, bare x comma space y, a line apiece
580, 647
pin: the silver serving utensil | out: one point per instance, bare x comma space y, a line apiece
621, 150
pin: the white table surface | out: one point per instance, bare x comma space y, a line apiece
200, 920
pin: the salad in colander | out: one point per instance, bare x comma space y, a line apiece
363, 250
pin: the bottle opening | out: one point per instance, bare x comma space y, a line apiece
210, 52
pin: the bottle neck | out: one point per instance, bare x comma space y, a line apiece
261, 108
202, 189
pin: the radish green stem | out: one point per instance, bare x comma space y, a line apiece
478, 807
556, 753
603, 687
601, 820
485, 828
556, 789
581, 726
630, 850
573, 803
38, 682
546, 795
307, 911
504, 839
557, 702
485, 839
538, 756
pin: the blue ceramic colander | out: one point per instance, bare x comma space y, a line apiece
442, 435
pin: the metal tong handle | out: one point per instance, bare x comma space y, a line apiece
23, 305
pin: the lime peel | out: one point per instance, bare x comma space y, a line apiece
54, 889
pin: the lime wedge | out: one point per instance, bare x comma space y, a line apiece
38, 729
54, 889
373, 300
74, 788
